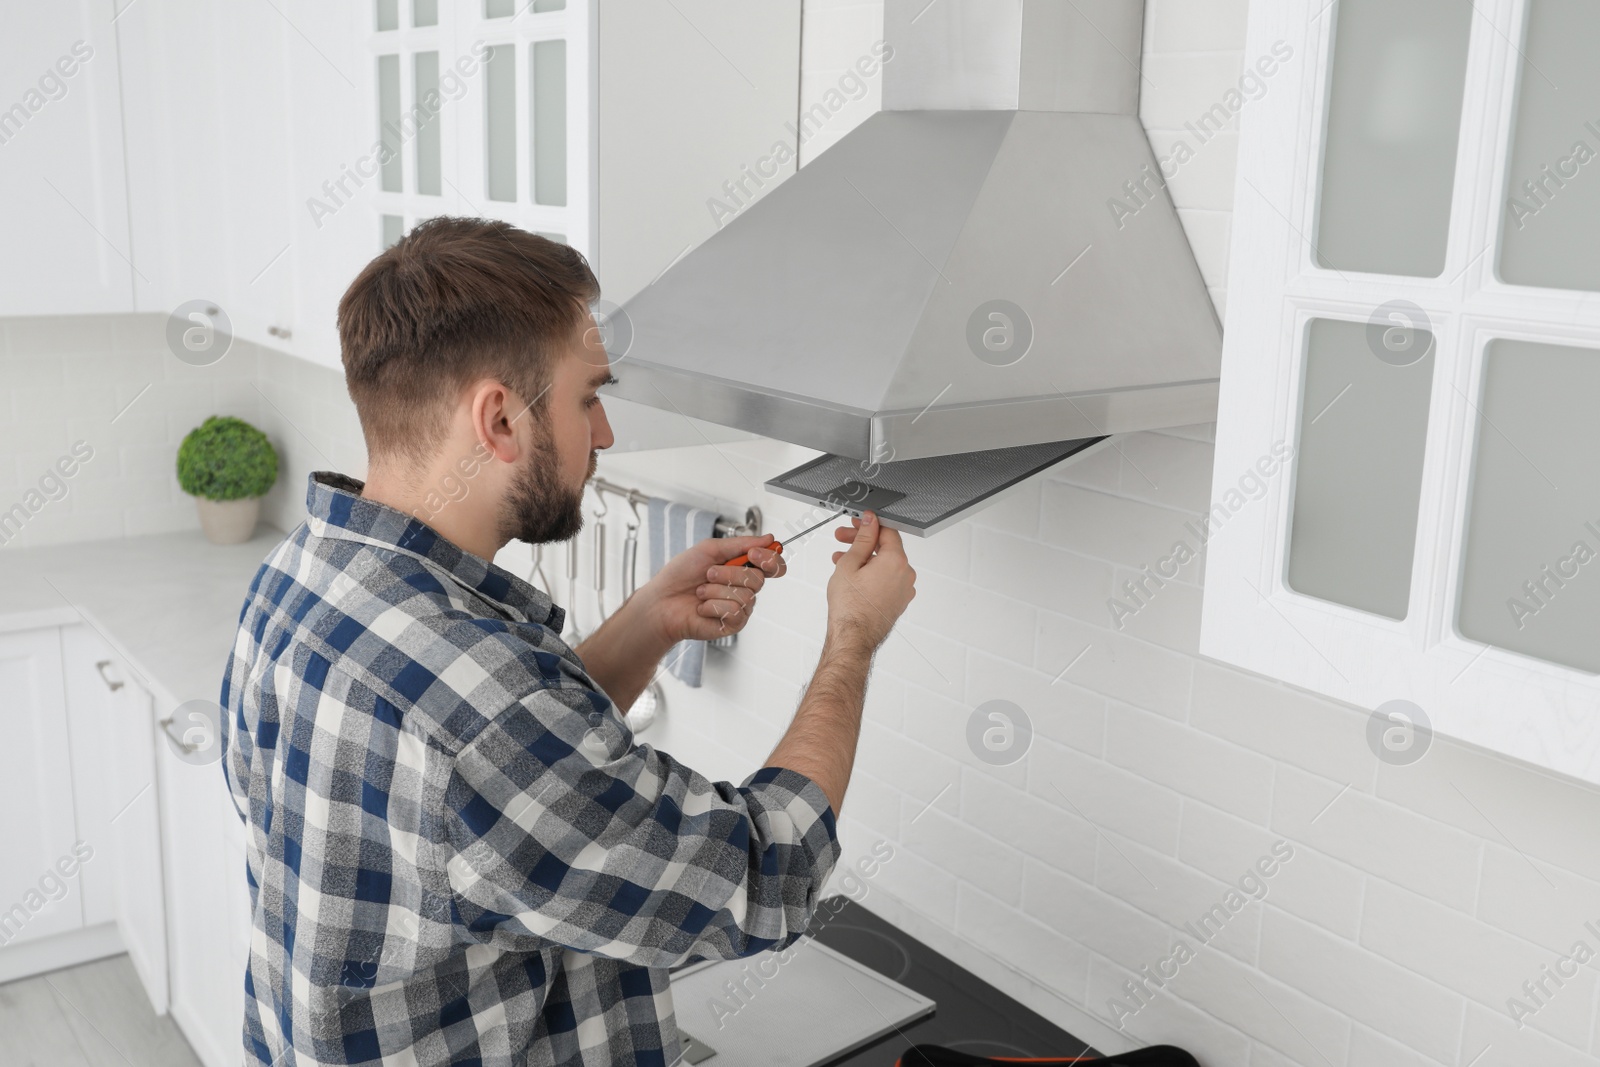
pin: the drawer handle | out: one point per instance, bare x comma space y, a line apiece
111, 684
183, 746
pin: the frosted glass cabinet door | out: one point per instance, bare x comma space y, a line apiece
1530, 577
391, 164
548, 79
1394, 115
1550, 233
1358, 464
500, 122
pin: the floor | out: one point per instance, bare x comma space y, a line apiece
92, 1015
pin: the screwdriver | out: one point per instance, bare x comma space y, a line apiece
777, 546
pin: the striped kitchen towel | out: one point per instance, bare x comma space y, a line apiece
673, 528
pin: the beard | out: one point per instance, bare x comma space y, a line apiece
540, 507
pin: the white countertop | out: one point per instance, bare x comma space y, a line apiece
169, 603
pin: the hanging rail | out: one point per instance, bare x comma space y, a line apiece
724, 527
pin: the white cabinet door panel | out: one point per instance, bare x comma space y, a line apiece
136, 837
205, 878
37, 828
89, 672
61, 162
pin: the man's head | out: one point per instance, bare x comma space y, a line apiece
472, 357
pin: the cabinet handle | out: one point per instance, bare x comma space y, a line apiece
110, 683
183, 746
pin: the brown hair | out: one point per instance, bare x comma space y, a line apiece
456, 300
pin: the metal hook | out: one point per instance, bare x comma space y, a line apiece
600, 498
634, 504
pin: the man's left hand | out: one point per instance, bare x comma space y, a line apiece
696, 596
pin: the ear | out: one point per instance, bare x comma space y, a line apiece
495, 410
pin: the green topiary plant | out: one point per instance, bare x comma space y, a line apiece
225, 458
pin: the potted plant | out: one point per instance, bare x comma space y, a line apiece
227, 465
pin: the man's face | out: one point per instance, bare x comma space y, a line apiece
546, 499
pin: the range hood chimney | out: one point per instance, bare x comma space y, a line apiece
953, 275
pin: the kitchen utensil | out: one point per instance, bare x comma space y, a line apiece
630, 554
927, 494
537, 576
600, 557
777, 546
572, 590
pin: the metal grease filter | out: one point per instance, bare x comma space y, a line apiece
922, 496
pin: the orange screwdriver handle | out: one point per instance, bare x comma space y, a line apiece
744, 560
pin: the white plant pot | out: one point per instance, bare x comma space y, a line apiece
228, 522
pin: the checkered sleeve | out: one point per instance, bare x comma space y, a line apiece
564, 831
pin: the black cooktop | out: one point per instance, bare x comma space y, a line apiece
972, 1015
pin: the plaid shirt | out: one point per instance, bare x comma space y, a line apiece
458, 854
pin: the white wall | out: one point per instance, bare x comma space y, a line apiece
111, 382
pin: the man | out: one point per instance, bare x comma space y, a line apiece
457, 853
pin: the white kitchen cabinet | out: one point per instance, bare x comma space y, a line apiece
65, 228
93, 678
207, 896
36, 804
95, 769
131, 795
207, 108
1413, 326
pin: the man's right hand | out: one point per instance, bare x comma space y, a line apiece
871, 585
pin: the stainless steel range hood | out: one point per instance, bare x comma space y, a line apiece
989, 262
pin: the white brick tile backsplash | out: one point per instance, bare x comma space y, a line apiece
1055, 961
1195, 764
942, 724
1106, 662
1101, 469
1288, 725
875, 803
1491, 1039
949, 553
915, 769
1371, 1049
936, 658
1535, 901
1169, 471
1435, 860
1057, 709
1308, 884
1166, 614
1550, 818
994, 623
1029, 825
909, 876
59, 335
952, 845
1268, 1010
1106, 796
1036, 574
1456, 951
1016, 511
1178, 895
1119, 530
1366, 987
1166, 1019
1119, 932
